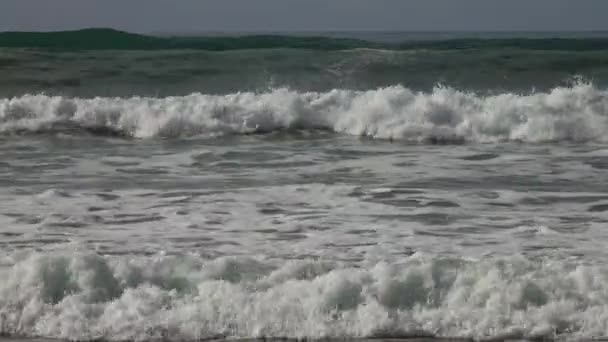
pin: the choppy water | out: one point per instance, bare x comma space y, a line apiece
359, 201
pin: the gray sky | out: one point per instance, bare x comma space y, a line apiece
296, 15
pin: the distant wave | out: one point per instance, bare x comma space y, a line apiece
445, 115
108, 39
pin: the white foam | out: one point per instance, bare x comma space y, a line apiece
84, 296
577, 113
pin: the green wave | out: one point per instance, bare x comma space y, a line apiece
109, 39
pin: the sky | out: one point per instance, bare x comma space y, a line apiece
174, 16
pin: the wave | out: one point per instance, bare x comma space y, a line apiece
81, 296
578, 113
109, 39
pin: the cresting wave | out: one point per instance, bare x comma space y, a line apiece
578, 113
82, 296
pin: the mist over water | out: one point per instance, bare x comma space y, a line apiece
362, 186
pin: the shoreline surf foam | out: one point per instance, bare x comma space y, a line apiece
83, 296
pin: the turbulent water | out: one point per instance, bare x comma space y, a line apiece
341, 186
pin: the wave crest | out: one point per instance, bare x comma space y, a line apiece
578, 113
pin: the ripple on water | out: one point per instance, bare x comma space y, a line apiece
480, 157
144, 171
443, 204
66, 224
597, 162
135, 220
598, 208
107, 197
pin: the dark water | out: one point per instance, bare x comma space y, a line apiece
104, 63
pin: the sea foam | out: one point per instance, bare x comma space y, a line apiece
86, 296
578, 113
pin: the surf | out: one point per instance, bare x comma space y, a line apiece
577, 114
84, 296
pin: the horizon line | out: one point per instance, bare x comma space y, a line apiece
197, 31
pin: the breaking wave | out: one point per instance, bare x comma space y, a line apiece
578, 113
81, 296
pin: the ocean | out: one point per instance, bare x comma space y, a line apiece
331, 185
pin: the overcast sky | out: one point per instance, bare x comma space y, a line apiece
296, 15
